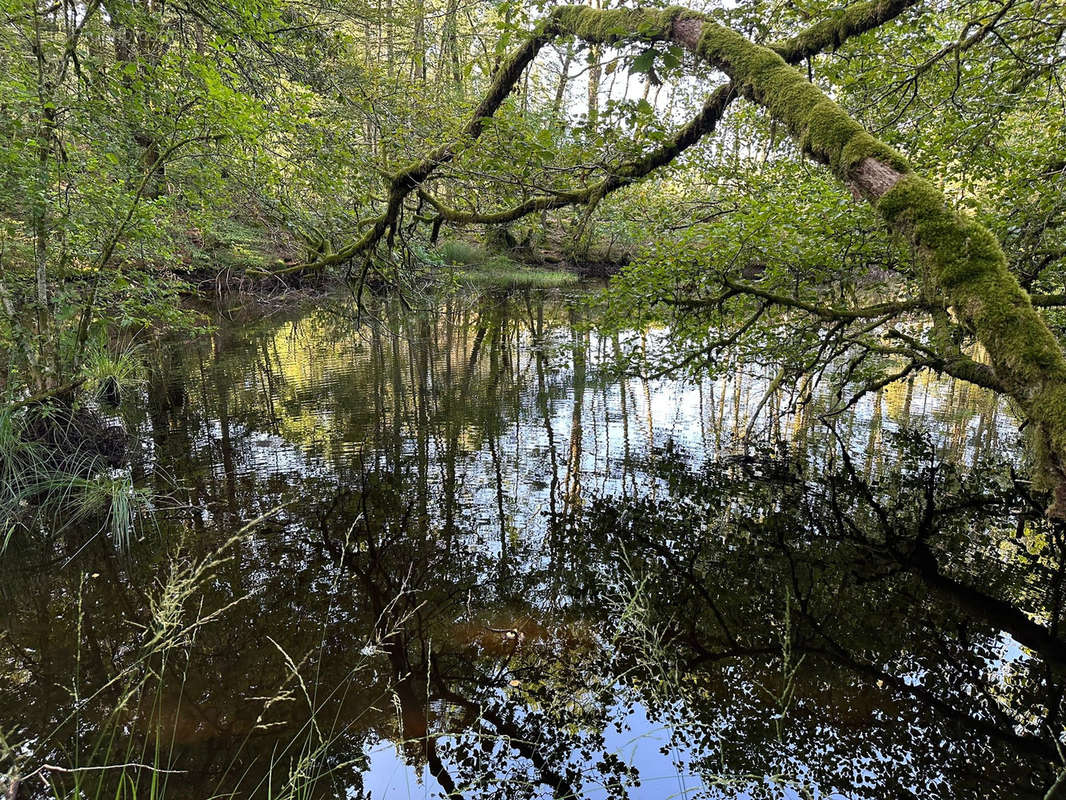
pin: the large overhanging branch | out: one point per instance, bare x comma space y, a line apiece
647, 26
826, 35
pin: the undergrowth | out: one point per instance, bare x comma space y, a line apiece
481, 268
55, 473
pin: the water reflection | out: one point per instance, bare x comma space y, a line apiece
489, 567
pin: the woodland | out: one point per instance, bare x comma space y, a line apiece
146, 144
841, 201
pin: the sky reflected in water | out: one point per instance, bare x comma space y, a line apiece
490, 566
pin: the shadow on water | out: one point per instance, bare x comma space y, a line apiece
488, 567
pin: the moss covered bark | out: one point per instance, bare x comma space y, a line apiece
965, 261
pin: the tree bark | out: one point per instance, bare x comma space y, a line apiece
560, 88
964, 261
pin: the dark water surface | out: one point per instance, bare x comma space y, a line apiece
485, 566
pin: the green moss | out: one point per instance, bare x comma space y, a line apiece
910, 199
823, 128
969, 267
829, 33
1050, 408
862, 145
614, 25
828, 132
794, 97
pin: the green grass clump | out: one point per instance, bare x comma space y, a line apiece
457, 252
43, 488
502, 272
481, 268
234, 244
111, 373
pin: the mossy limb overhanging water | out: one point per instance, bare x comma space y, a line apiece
966, 264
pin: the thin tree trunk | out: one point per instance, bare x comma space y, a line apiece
564, 78
449, 47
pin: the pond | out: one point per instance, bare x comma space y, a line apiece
454, 552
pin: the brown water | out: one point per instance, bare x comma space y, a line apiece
485, 565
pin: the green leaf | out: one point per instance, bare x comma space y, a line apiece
644, 62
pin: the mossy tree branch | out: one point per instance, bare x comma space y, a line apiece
828, 313
965, 263
826, 35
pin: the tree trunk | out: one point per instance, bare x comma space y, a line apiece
965, 262
595, 73
449, 48
418, 43
560, 88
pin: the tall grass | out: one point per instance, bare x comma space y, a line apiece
484, 269
458, 252
506, 274
110, 760
44, 490
111, 372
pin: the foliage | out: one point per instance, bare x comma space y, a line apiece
53, 477
150, 144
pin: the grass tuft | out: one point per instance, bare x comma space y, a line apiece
460, 253
45, 487
480, 268
502, 272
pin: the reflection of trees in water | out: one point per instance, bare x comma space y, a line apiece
487, 398
495, 681
813, 627
671, 589
439, 390
896, 596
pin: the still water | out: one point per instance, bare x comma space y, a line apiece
452, 552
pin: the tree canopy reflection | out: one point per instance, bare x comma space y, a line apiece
872, 610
